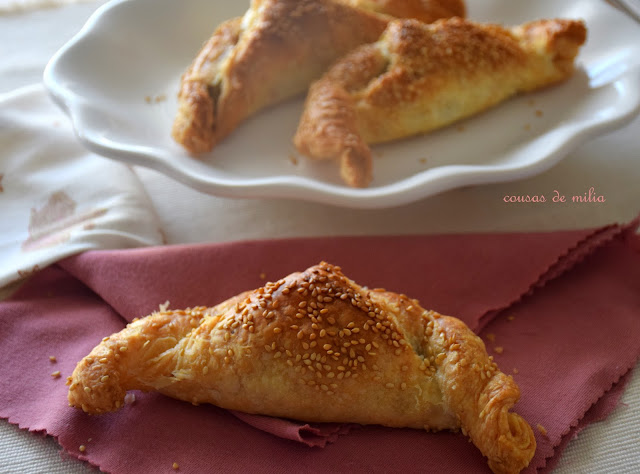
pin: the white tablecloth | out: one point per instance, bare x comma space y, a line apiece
610, 164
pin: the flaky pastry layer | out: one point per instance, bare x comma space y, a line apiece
420, 77
316, 346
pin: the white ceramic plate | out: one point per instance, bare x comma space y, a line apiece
132, 50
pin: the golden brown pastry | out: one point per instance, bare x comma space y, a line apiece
315, 346
419, 77
273, 53
426, 11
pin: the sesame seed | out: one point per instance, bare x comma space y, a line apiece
53, 359
56, 374
82, 448
542, 430
175, 466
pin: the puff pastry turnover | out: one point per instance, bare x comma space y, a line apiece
316, 346
274, 52
420, 77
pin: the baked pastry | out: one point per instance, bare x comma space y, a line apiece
316, 346
274, 52
426, 11
420, 77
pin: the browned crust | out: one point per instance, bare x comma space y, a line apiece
196, 118
426, 11
287, 45
316, 346
437, 74
484, 402
332, 119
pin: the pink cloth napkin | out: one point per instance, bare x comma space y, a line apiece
562, 309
